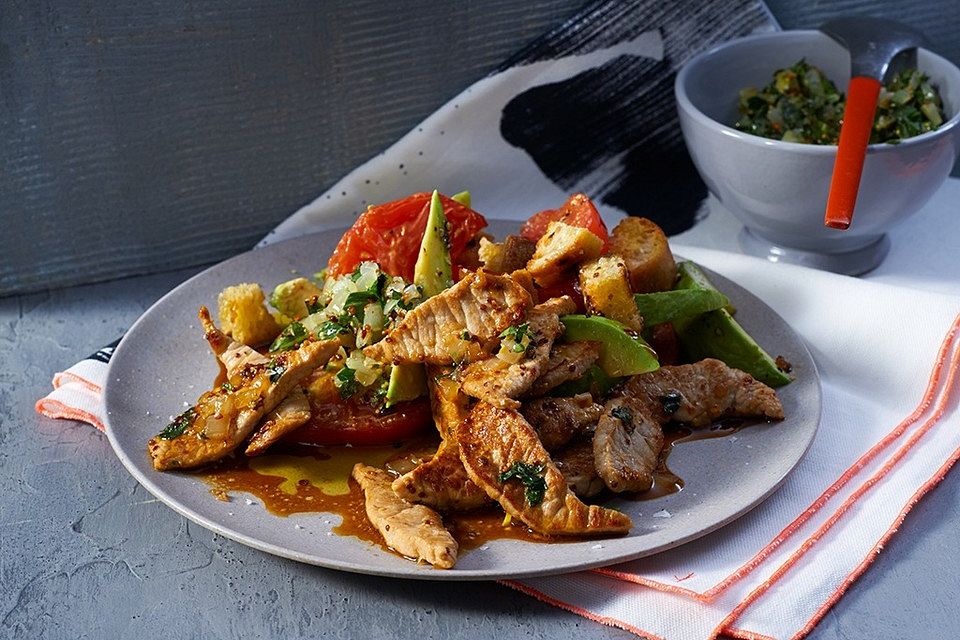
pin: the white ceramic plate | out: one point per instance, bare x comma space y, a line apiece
164, 362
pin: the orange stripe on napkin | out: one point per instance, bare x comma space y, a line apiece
57, 410
925, 401
65, 377
743, 634
610, 622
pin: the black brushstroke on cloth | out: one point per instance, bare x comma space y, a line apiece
612, 131
105, 353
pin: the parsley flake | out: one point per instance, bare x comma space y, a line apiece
531, 475
623, 414
671, 401
275, 369
180, 424
291, 337
346, 380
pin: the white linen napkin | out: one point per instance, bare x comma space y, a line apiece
887, 355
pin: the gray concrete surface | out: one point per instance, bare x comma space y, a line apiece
85, 552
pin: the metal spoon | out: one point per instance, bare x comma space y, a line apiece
872, 43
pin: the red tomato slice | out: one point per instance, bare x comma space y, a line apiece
578, 211
567, 287
359, 424
390, 234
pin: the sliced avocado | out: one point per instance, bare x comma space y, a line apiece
290, 298
691, 276
593, 380
622, 352
463, 198
669, 306
433, 273
715, 334
407, 382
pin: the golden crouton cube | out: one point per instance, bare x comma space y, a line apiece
244, 316
561, 247
646, 252
605, 284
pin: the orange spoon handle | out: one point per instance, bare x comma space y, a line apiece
854, 137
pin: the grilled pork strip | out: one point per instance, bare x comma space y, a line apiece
442, 482
567, 362
411, 529
629, 437
560, 420
292, 413
493, 441
450, 326
499, 382
576, 463
225, 416
701, 393
626, 445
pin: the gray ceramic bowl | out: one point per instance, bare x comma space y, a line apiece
779, 189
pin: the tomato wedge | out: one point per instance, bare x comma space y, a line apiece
359, 424
568, 287
578, 211
390, 234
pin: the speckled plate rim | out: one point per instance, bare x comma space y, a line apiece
505, 558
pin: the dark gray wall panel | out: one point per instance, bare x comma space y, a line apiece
140, 137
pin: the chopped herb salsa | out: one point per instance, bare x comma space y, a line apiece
802, 105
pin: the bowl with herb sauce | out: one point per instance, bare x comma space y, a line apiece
760, 117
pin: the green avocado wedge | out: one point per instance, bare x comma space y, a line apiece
715, 334
290, 297
463, 198
622, 352
433, 273
670, 306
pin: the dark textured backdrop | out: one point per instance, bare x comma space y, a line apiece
141, 137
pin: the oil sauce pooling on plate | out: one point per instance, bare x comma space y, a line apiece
310, 479
666, 482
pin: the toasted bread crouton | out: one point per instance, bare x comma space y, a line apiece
560, 248
507, 256
646, 253
605, 284
244, 316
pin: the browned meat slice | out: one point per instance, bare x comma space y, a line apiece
410, 529
448, 327
225, 416
507, 256
626, 445
233, 355
560, 420
292, 413
577, 465
567, 362
498, 381
442, 482
496, 443
700, 393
